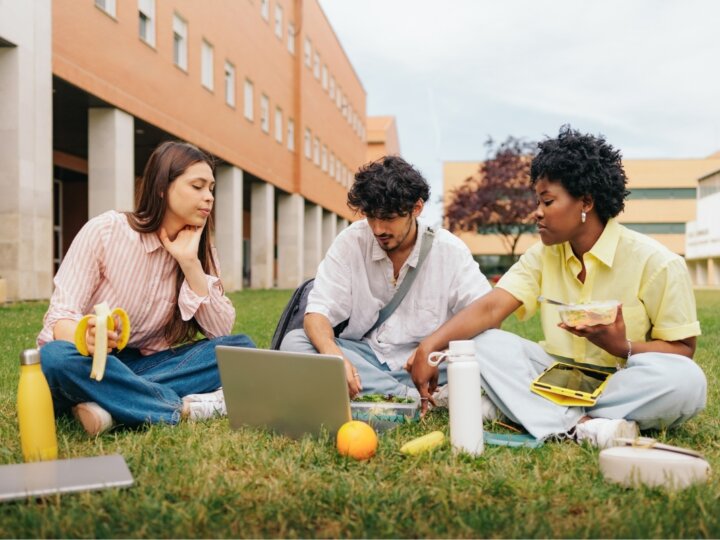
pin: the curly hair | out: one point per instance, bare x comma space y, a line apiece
584, 165
386, 188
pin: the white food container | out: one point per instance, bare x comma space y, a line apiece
645, 461
589, 314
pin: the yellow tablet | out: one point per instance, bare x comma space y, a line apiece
571, 385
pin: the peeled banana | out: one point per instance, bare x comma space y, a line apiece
423, 444
105, 320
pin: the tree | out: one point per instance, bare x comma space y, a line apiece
498, 200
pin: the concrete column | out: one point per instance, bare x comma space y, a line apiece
342, 223
712, 270
229, 225
701, 273
111, 161
291, 225
26, 173
262, 235
329, 230
313, 251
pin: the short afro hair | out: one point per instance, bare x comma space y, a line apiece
387, 188
584, 165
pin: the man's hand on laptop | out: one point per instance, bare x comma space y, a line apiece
423, 375
353, 379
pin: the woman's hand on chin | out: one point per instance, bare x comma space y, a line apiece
184, 248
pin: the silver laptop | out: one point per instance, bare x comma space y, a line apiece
291, 393
45, 478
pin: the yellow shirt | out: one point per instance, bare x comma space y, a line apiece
650, 281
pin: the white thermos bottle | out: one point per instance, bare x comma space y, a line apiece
466, 426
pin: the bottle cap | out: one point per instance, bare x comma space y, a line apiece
463, 347
29, 357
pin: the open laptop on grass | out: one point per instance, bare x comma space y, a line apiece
291, 393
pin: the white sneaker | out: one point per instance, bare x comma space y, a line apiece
94, 419
204, 406
490, 412
602, 432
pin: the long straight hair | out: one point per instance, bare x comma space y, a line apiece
167, 162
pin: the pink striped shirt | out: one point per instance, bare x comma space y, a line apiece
109, 262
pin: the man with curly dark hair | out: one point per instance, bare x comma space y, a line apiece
585, 255
366, 265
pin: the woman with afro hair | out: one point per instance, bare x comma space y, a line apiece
585, 255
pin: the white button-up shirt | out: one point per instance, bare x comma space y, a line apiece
355, 281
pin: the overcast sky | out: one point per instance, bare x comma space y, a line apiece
644, 73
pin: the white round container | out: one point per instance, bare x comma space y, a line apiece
631, 466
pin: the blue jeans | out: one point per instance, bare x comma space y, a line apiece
376, 377
136, 389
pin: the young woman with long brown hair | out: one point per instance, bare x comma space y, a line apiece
157, 263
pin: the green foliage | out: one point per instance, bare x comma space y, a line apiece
205, 480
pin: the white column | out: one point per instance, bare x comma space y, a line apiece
342, 223
262, 235
712, 270
111, 161
26, 174
291, 224
229, 225
313, 252
701, 273
329, 230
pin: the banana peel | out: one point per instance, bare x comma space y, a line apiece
105, 320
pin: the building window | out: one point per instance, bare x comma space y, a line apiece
265, 9
249, 98
316, 151
291, 38
308, 52
291, 135
657, 228
316, 66
324, 77
308, 143
265, 113
206, 65
146, 14
180, 43
338, 98
332, 87
108, 6
662, 193
278, 124
324, 159
331, 171
278, 20
229, 84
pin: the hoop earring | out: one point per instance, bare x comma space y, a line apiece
583, 216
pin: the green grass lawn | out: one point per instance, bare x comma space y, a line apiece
204, 480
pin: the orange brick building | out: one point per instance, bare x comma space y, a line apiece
95, 85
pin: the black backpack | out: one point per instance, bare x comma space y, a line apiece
293, 314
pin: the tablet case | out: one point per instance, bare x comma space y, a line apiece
570, 397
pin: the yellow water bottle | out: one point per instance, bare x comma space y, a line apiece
36, 418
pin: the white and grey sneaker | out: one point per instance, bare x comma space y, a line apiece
204, 406
490, 412
602, 432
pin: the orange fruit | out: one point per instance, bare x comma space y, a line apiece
357, 440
